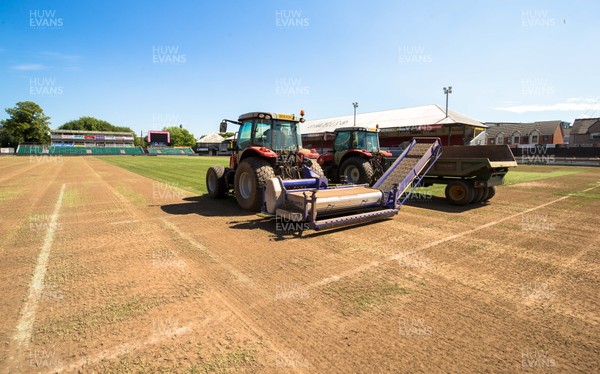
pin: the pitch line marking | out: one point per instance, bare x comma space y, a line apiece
25, 325
125, 348
375, 264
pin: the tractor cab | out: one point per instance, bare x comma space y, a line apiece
266, 145
356, 156
277, 132
359, 139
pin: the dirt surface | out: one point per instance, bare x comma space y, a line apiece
144, 277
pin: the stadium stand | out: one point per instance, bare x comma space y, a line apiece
28, 149
168, 151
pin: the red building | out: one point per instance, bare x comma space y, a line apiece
515, 134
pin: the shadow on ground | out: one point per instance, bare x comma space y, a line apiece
207, 207
245, 220
440, 204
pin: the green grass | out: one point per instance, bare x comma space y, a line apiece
515, 177
522, 175
188, 173
585, 195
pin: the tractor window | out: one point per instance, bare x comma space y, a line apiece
286, 136
371, 142
367, 141
245, 134
342, 141
262, 133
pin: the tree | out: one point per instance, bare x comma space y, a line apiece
180, 137
27, 123
92, 124
139, 142
227, 134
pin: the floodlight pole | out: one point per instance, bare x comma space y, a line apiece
355, 105
447, 91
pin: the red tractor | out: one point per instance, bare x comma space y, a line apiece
266, 145
356, 156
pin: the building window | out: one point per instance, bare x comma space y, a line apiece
534, 139
516, 139
545, 138
499, 139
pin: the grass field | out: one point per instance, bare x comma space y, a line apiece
188, 173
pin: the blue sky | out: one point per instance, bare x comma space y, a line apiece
157, 63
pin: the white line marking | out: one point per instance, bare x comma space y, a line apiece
25, 325
126, 348
372, 265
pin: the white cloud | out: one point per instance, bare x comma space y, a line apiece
29, 67
61, 56
571, 104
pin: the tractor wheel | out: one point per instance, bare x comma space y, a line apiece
250, 178
491, 192
356, 170
215, 182
478, 195
459, 193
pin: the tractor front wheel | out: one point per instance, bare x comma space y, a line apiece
215, 182
356, 170
250, 178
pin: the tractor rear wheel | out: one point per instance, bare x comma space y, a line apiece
459, 193
356, 170
250, 178
215, 182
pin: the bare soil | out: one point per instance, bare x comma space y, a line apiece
144, 277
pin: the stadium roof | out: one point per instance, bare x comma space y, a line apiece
211, 138
395, 118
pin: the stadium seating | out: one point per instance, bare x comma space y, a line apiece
28, 149
97, 151
35, 149
168, 151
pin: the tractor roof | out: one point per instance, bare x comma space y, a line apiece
357, 128
288, 117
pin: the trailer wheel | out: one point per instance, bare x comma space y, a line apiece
459, 193
491, 192
215, 182
486, 193
250, 178
356, 170
478, 195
